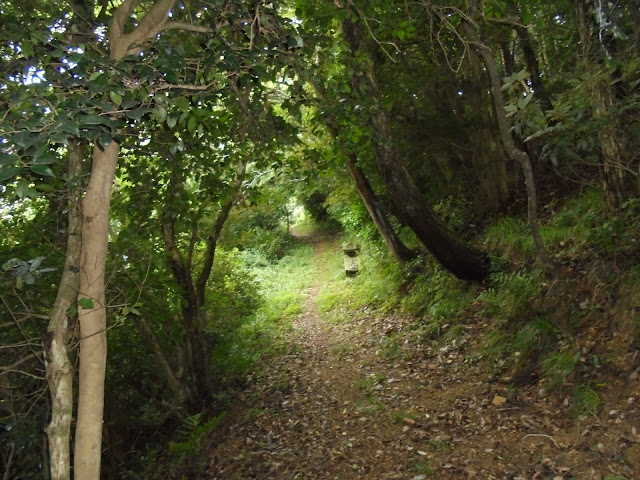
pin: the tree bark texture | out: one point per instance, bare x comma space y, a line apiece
488, 163
58, 367
514, 153
93, 321
194, 291
95, 236
397, 248
619, 174
459, 258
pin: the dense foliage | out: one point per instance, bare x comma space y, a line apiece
414, 128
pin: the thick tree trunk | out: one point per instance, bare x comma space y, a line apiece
619, 172
517, 155
452, 253
58, 367
397, 248
93, 321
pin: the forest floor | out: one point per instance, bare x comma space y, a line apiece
355, 399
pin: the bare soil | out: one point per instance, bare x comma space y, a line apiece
357, 399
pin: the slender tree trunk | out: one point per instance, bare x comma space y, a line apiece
193, 292
93, 321
488, 161
449, 250
517, 155
58, 367
95, 238
397, 248
181, 391
531, 61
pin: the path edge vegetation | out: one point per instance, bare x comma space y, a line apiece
118, 73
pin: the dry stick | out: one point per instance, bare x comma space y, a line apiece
8, 467
543, 436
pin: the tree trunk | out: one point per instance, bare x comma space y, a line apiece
452, 253
516, 155
95, 239
531, 61
93, 321
193, 292
58, 367
197, 360
397, 248
619, 176
488, 163
180, 391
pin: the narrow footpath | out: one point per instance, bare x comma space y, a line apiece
358, 400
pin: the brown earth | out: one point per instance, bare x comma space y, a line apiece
356, 399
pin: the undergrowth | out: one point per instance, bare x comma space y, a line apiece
280, 285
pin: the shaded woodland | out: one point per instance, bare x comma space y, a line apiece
156, 156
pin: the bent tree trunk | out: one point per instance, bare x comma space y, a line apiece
459, 258
58, 367
397, 248
503, 124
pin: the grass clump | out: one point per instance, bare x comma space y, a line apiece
511, 294
367, 383
557, 367
586, 402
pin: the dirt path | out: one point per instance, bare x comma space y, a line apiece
357, 400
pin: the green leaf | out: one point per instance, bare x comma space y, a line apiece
45, 187
192, 124
70, 127
161, 112
400, 34
7, 158
8, 172
41, 170
26, 48
105, 139
21, 139
137, 114
115, 98
91, 119
22, 189
171, 121
130, 103
86, 303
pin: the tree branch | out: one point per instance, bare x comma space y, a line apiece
201, 283
189, 27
